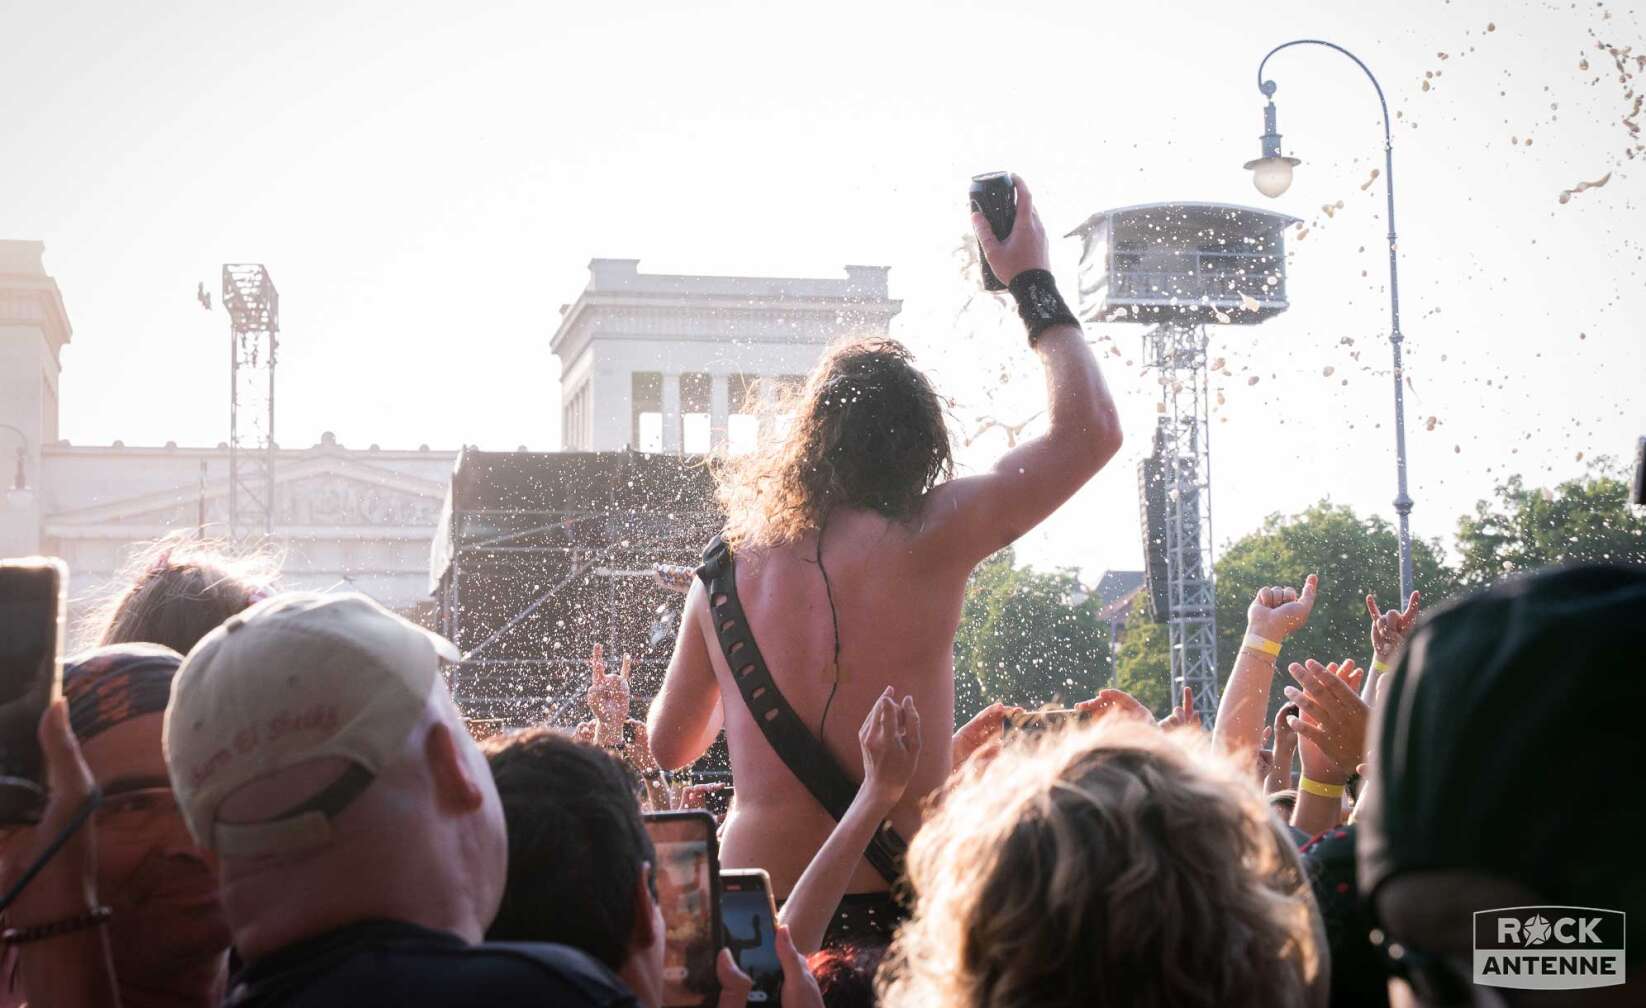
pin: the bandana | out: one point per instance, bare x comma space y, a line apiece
110, 685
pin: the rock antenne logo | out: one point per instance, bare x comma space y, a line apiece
1549, 948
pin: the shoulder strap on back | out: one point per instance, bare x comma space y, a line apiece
801, 751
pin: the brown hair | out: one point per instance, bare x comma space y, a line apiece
177, 589
868, 432
1109, 865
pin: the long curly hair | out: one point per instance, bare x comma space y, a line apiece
1111, 865
867, 432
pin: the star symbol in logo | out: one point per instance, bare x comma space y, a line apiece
1535, 931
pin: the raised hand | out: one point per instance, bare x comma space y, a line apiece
1332, 726
696, 796
639, 752
1183, 714
982, 729
1390, 628
1115, 701
890, 742
1277, 612
608, 697
1024, 248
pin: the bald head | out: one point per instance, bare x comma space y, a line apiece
423, 843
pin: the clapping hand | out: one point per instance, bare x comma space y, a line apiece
890, 742
1277, 612
1390, 628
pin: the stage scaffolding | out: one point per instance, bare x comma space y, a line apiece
538, 556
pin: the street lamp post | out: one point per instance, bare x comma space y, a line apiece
1272, 174
21, 481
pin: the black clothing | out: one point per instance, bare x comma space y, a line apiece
390, 963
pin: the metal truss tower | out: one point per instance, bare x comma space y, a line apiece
254, 340
1177, 351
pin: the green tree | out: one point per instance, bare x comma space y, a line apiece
1354, 557
1142, 661
1022, 642
1588, 518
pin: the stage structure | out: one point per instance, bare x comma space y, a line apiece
254, 342
539, 556
1181, 267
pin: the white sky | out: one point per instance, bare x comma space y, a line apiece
426, 183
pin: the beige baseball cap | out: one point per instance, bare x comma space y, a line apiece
297, 677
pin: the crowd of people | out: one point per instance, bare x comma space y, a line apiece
294, 811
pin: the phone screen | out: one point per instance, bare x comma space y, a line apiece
750, 920
31, 635
688, 891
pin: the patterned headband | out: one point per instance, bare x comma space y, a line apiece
110, 685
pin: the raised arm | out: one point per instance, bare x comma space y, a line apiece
1331, 728
967, 519
74, 969
1275, 614
1389, 631
890, 741
685, 715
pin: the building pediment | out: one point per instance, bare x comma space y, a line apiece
330, 491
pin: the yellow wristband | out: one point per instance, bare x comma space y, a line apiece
1314, 787
1262, 645
1380, 666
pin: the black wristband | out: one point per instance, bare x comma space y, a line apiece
1038, 302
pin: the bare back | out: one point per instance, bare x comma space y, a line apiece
898, 589
897, 624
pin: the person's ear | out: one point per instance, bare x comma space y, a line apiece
454, 785
644, 922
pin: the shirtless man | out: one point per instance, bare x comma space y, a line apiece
865, 468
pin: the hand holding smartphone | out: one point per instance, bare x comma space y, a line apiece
688, 891
32, 604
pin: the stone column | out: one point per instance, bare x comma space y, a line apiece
671, 413
719, 409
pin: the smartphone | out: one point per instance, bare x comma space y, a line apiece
750, 918
688, 890
1036, 721
994, 195
32, 605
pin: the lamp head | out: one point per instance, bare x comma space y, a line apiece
1272, 173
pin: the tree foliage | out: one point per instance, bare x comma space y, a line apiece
1354, 557
1143, 665
1584, 519
1023, 642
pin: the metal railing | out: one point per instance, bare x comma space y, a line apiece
1223, 286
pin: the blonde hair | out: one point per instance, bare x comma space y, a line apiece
1108, 865
868, 432
175, 590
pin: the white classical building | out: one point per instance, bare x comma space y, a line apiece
344, 518
666, 363
650, 362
